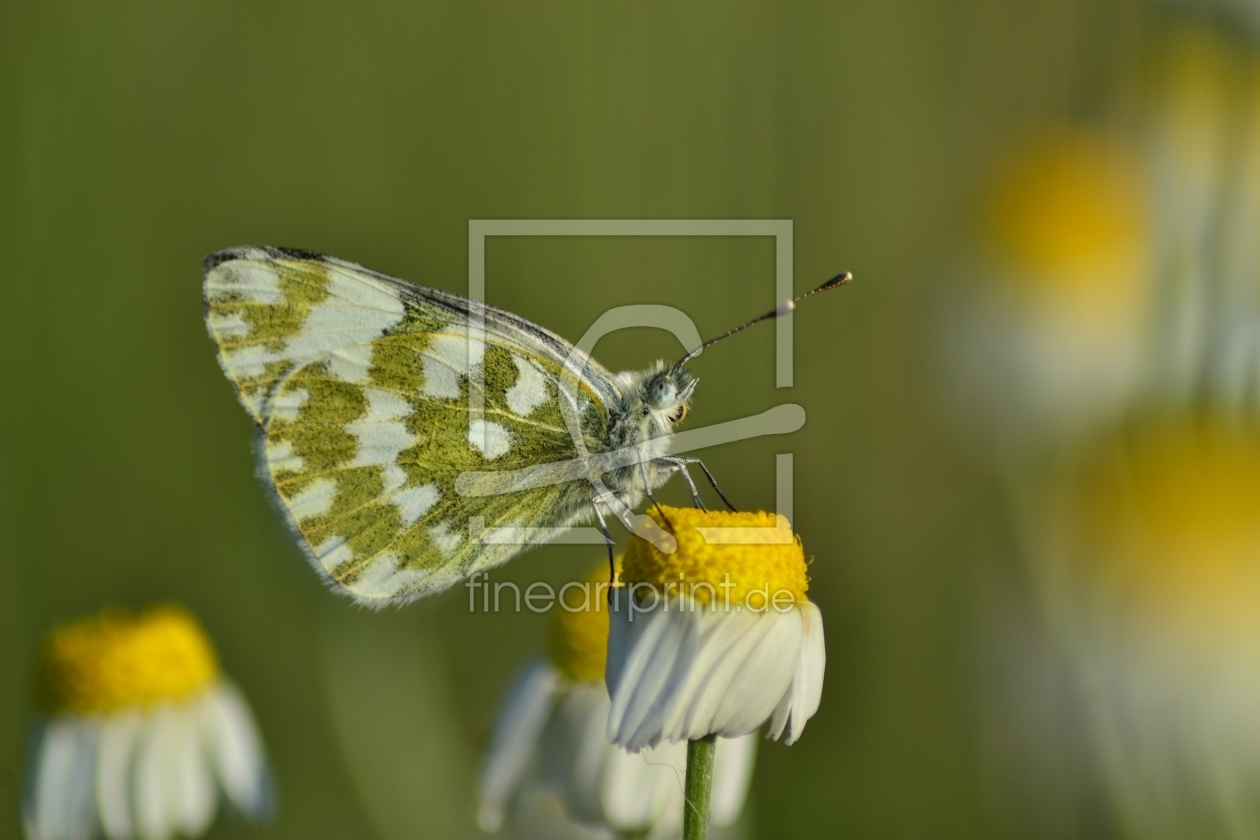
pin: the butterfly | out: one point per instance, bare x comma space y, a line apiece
386, 410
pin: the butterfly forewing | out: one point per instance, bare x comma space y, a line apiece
360, 385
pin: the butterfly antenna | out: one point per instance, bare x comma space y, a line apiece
782, 309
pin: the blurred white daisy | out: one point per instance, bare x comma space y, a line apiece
1045, 342
1145, 544
142, 734
1151, 566
717, 638
549, 742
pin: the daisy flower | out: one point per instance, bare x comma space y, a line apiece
1045, 343
717, 638
549, 741
142, 734
1150, 568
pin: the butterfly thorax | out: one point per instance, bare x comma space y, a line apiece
652, 402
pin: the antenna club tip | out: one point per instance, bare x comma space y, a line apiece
785, 308
839, 280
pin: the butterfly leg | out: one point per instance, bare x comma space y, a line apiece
681, 467
682, 460
608, 541
648, 489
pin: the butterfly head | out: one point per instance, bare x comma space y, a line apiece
669, 391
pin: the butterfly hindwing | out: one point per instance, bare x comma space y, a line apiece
359, 384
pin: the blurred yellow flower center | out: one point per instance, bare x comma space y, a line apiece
116, 660
578, 642
720, 560
1069, 219
1177, 523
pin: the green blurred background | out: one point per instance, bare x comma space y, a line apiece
136, 137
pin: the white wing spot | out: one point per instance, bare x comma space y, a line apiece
356, 311
281, 457
374, 574
333, 552
453, 351
243, 280
444, 538
381, 436
228, 325
439, 380
393, 477
350, 364
415, 502
491, 439
530, 390
447, 360
288, 404
250, 361
412, 502
382, 578
314, 500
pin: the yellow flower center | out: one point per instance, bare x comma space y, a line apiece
116, 660
750, 559
578, 642
1069, 219
1177, 523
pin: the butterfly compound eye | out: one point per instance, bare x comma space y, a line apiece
662, 393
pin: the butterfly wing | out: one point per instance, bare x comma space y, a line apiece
360, 385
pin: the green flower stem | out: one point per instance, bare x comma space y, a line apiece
699, 787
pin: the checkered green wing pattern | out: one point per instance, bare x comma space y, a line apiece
359, 384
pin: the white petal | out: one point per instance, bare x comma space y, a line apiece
516, 731
619, 636
114, 761
235, 750
600, 784
765, 675
190, 803
801, 702
644, 790
732, 771
152, 820
655, 643
680, 675
808, 684
726, 640
60, 803
573, 749
656, 695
